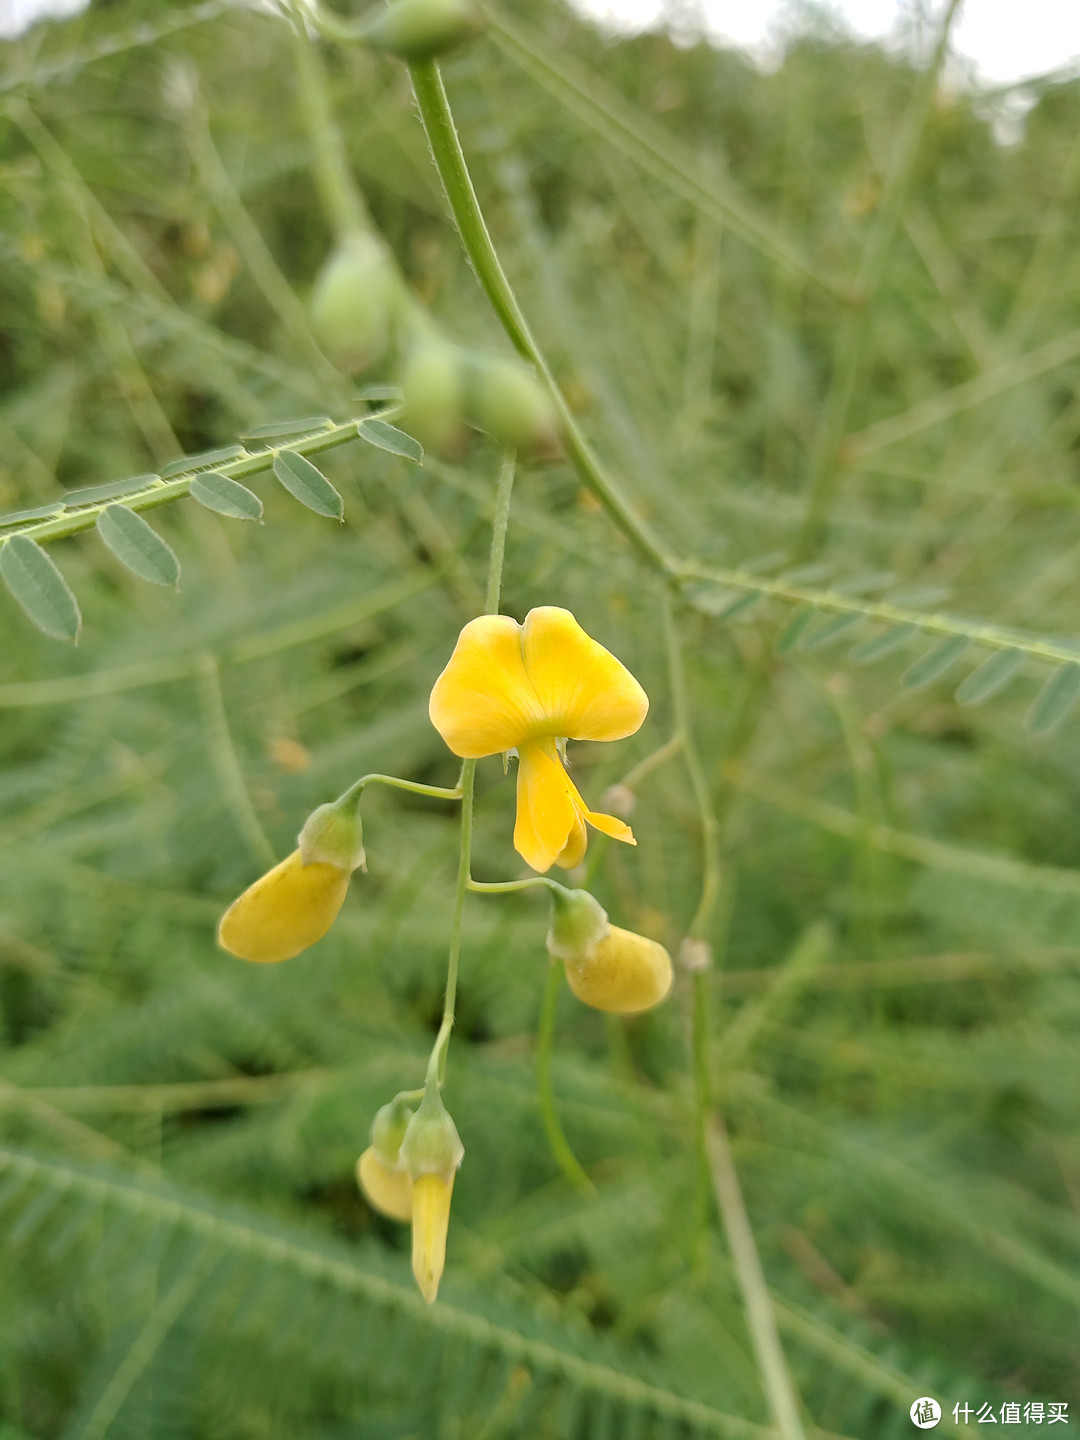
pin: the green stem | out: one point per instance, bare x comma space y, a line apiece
761, 1318
711, 874
501, 887
340, 197
711, 879
437, 1063
568, 1162
499, 525
438, 792
450, 162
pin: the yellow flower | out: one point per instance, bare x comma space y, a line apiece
525, 687
623, 973
430, 1221
295, 903
388, 1189
285, 911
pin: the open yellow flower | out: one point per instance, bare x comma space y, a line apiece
525, 688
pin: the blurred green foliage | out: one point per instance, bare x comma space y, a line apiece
184, 1252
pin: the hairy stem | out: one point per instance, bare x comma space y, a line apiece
450, 162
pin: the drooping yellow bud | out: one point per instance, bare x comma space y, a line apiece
389, 1190
622, 973
285, 911
430, 1221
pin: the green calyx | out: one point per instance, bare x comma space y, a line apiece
578, 923
333, 835
417, 30
431, 1145
388, 1130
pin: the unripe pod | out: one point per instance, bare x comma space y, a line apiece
421, 29
509, 402
353, 303
434, 385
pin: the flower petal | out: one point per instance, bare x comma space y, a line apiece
582, 690
609, 825
430, 1222
483, 703
389, 1191
573, 852
546, 812
285, 911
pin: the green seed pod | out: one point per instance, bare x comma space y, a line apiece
510, 403
421, 29
434, 384
353, 303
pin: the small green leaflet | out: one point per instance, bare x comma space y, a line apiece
187, 463
227, 497
308, 485
878, 646
388, 437
794, 630
94, 494
830, 632
375, 393
40, 589
40, 512
138, 547
282, 429
935, 662
1054, 700
992, 675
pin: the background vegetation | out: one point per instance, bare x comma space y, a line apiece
826, 285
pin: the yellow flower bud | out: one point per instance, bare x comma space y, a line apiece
622, 973
430, 1221
389, 1190
285, 911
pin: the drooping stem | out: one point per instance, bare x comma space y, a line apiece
437, 792
568, 1162
450, 162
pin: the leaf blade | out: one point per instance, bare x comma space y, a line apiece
385, 436
1054, 700
37, 585
226, 497
930, 666
137, 546
308, 484
989, 678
